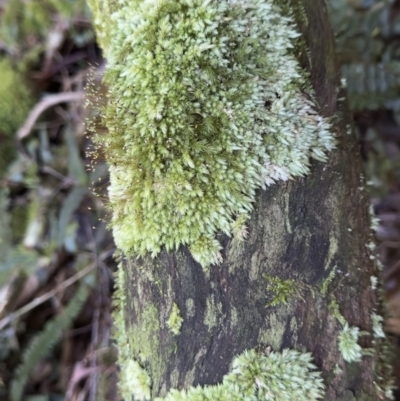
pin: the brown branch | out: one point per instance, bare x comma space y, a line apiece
44, 104
43, 298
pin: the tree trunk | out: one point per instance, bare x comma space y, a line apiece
305, 254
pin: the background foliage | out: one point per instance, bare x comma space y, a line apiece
55, 253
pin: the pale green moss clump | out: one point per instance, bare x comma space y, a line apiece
377, 327
101, 12
137, 380
175, 320
286, 376
206, 104
348, 344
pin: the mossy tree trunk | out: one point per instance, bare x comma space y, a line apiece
277, 287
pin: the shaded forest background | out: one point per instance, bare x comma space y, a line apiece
56, 265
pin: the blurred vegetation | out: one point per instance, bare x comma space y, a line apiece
15, 101
368, 49
30, 28
56, 267
368, 52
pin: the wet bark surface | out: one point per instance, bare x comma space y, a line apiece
300, 231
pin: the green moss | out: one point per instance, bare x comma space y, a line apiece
289, 375
383, 345
137, 345
347, 339
144, 337
204, 107
377, 327
338, 370
136, 380
175, 320
385, 381
335, 312
333, 249
101, 12
254, 376
348, 344
283, 290
120, 334
296, 8
286, 376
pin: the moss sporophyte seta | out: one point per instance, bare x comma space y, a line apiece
206, 104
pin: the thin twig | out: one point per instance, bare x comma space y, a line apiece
66, 180
43, 298
47, 102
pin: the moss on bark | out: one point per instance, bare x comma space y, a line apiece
300, 231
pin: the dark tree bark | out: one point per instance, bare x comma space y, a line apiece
301, 231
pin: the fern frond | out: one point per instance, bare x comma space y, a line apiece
43, 342
373, 85
366, 39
